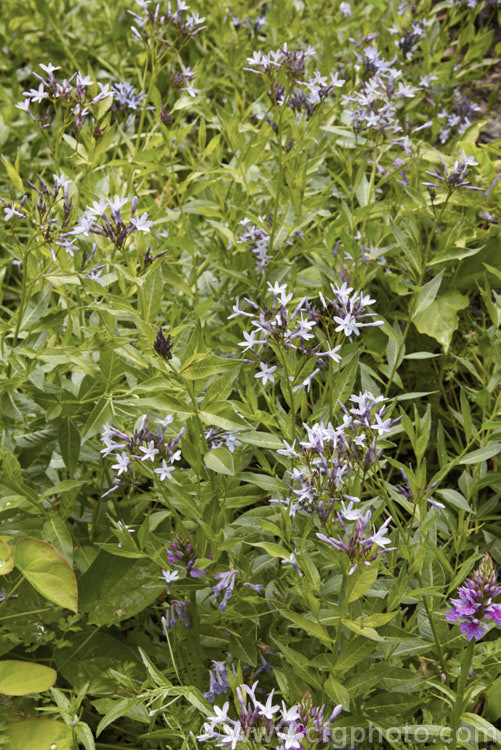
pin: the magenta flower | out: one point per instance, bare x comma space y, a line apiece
475, 605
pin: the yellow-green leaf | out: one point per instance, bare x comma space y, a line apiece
47, 571
39, 734
6, 561
24, 677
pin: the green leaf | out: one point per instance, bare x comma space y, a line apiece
201, 366
274, 550
309, 626
150, 294
360, 628
452, 497
6, 558
261, 439
220, 460
115, 588
102, 652
487, 730
98, 416
482, 454
47, 571
58, 534
439, 320
39, 734
428, 294
360, 582
69, 443
24, 677
359, 649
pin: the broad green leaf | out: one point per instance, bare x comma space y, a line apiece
220, 460
90, 655
47, 571
69, 443
360, 628
24, 677
6, 558
439, 320
482, 454
58, 534
115, 588
39, 734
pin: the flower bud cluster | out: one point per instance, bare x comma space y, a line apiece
143, 445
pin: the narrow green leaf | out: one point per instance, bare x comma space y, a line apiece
69, 443
482, 454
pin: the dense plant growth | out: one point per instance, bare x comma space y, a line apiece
250, 375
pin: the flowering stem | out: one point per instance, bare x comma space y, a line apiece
457, 711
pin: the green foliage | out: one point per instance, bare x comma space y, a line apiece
152, 457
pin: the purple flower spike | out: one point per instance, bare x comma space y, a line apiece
474, 605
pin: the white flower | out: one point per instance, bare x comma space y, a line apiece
122, 464
233, 735
37, 95
141, 223
49, 68
250, 340
150, 452
164, 422
268, 709
266, 373
25, 106
165, 472
291, 738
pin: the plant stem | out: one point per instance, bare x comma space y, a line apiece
457, 711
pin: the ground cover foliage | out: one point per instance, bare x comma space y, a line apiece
250, 374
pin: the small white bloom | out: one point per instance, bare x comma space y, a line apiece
122, 464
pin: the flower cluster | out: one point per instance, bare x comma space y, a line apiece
292, 87
182, 551
475, 604
153, 24
408, 37
72, 94
144, 446
265, 721
360, 541
350, 308
374, 104
258, 238
329, 454
454, 179
126, 97
457, 122
105, 218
